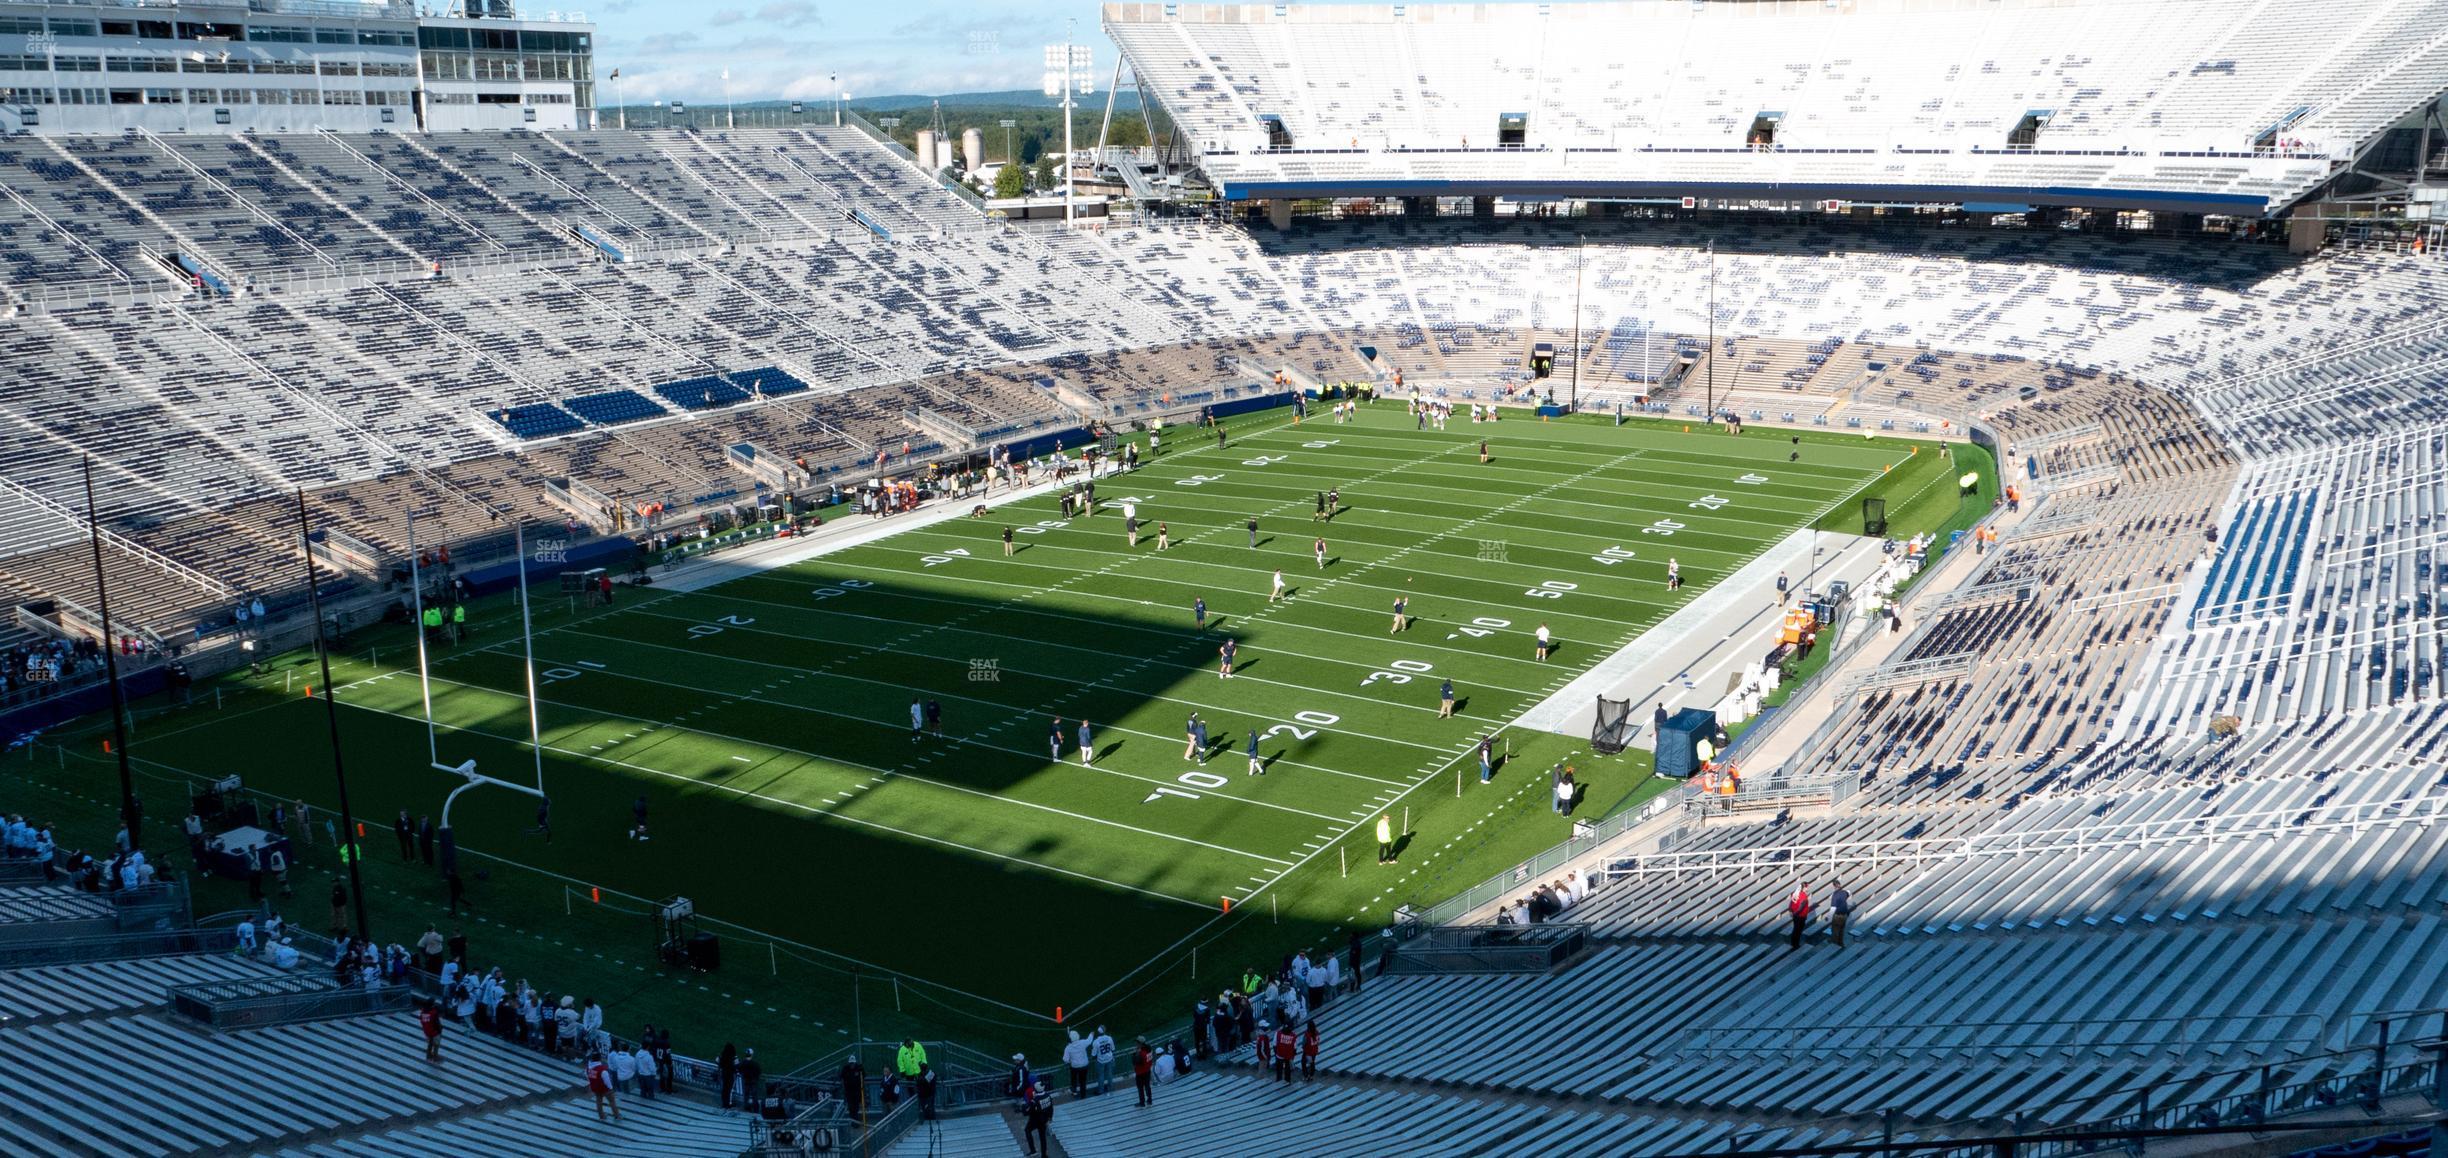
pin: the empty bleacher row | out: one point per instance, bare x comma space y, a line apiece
2058, 1017
1230, 1112
93, 988
2069, 618
2329, 843
2321, 598
1732, 878
107, 1069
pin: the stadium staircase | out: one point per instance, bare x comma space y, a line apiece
292, 1076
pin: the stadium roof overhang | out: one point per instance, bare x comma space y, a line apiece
2154, 200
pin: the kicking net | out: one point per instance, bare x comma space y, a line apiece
1613, 730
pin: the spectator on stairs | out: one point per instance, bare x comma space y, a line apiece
429, 1023
599, 1084
1038, 1113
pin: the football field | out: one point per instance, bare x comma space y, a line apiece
767, 723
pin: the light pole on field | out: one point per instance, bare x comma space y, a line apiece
1711, 416
1067, 75
1580, 248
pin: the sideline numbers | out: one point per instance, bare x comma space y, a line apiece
946, 557
1662, 527
1752, 480
702, 630
1709, 503
839, 587
1403, 670
1263, 460
1035, 529
1198, 480
1481, 628
1611, 556
1210, 781
1551, 589
1319, 719
1320, 444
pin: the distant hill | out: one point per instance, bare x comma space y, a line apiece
1016, 98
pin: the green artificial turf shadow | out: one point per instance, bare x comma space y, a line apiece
1000, 875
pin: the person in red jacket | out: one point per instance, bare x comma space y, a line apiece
1309, 1050
1143, 1071
429, 1023
1798, 907
1284, 1046
599, 1083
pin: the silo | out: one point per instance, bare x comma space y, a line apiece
973, 151
926, 149
947, 153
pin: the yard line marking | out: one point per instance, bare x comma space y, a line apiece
1145, 660
814, 756
809, 708
1354, 826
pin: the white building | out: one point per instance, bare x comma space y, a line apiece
289, 66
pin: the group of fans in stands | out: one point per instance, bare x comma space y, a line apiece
126, 868
1546, 902
49, 663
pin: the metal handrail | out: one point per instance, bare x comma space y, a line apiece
1538, 868
116, 946
2336, 1079
1476, 949
2078, 838
1923, 1039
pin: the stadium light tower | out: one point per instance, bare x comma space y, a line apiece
1067, 75
1711, 415
131, 814
1580, 248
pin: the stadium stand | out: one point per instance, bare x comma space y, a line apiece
2158, 105
2229, 460
333, 1086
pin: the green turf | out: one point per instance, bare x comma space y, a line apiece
766, 721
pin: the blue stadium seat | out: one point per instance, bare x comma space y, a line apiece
704, 392
541, 420
613, 407
769, 381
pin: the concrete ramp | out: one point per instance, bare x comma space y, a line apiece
1692, 659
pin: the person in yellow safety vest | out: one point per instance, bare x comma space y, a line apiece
458, 622
909, 1059
1385, 839
433, 622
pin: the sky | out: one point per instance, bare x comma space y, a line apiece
785, 49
